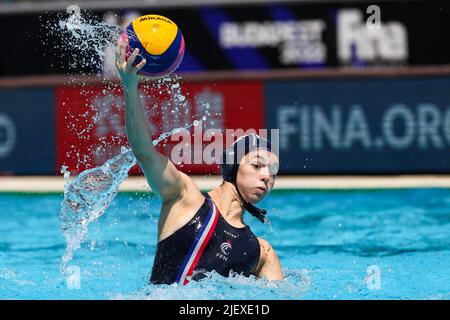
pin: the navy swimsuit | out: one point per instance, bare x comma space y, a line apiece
207, 242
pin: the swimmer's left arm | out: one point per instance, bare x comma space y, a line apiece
269, 266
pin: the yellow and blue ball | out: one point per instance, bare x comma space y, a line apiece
159, 41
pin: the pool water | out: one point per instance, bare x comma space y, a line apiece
328, 242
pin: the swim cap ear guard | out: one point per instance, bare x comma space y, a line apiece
230, 165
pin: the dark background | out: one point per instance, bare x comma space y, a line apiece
31, 43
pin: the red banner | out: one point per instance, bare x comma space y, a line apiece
91, 120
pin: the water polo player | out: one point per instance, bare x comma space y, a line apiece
200, 232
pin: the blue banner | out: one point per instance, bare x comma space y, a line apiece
27, 131
361, 126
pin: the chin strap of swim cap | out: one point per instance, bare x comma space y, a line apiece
245, 143
258, 213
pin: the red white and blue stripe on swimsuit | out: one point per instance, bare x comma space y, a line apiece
199, 245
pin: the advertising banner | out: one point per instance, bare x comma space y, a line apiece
258, 36
27, 131
91, 120
361, 126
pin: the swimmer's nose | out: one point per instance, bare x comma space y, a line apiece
265, 175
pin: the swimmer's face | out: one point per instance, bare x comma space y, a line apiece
256, 175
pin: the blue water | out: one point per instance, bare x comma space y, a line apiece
326, 240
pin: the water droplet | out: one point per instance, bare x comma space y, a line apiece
65, 172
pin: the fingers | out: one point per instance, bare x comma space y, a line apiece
123, 64
140, 65
131, 59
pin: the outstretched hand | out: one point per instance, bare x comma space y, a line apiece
127, 72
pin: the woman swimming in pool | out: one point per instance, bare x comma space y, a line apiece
200, 232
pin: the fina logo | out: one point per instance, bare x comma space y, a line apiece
371, 41
225, 248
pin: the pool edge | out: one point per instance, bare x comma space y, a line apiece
138, 184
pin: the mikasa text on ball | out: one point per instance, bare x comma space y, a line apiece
160, 43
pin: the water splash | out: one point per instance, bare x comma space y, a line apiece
83, 34
216, 287
88, 196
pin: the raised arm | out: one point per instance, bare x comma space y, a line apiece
162, 176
